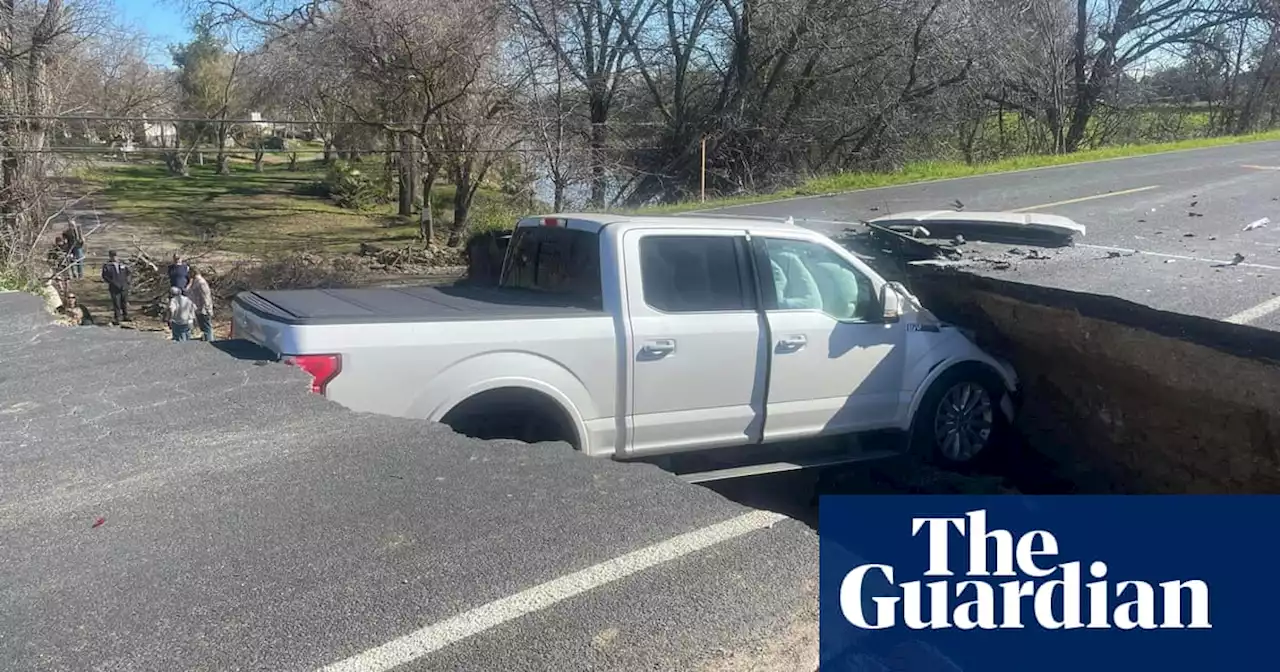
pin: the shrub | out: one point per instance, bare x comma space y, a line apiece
494, 214
348, 187
11, 281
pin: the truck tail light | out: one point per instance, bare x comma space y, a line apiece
323, 368
553, 221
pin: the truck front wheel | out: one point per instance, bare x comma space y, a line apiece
959, 420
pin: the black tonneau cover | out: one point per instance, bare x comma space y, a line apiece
406, 304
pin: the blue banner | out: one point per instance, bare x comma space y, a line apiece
1048, 584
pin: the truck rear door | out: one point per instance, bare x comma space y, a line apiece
696, 365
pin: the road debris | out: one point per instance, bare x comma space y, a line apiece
1195, 214
1188, 235
98, 523
957, 204
1258, 224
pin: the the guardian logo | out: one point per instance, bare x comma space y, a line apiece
1053, 594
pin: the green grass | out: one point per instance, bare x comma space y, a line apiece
930, 171
259, 214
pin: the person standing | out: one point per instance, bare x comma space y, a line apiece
75, 244
181, 313
117, 275
202, 297
179, 273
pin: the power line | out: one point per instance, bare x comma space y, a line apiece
238, 151
381, 125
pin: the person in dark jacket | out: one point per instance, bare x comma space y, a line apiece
76, 249
117, 275
179, 273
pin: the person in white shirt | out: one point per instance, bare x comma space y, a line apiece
182, 313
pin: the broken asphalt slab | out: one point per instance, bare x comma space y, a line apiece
168, 506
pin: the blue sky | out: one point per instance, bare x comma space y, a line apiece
162, 19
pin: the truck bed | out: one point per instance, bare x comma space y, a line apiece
449, 303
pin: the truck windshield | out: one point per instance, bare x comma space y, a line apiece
554, 260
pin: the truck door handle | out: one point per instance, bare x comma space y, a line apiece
659, 348
792, 343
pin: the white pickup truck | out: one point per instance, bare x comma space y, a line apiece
632, 336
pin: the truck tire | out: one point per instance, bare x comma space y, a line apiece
959, 421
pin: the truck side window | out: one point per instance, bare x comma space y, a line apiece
809, 276
687, 274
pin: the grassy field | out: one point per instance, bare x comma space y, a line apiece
258, 214
245, 212
928, 171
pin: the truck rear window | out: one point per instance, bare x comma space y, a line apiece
554, 260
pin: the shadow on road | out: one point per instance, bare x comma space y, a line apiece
1012, 469
246, 350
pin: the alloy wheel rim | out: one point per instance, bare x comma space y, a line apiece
963, 424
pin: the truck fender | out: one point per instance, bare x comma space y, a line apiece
1002, 369
495, 370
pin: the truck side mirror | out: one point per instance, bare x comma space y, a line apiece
891, 302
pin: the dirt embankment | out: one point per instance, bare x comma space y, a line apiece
1123, 397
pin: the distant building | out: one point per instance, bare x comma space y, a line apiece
158, 134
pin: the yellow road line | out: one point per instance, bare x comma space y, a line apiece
1261, 167
1086, 198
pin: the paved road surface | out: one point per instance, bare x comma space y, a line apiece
1139, 204
252, 525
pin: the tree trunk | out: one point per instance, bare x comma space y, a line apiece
1083, 105
599, 138
258, 155
408, 169
427, 221
11, 211
559, 195
328, 150
293, 161
224, 162
462, 194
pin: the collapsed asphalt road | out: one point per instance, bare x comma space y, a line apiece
168, 506
1163, 229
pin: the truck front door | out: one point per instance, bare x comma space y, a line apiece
696, 369
836, 366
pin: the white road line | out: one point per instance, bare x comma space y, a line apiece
1261, 167
432, 638
1261, 310
1109, 248
1082, 199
